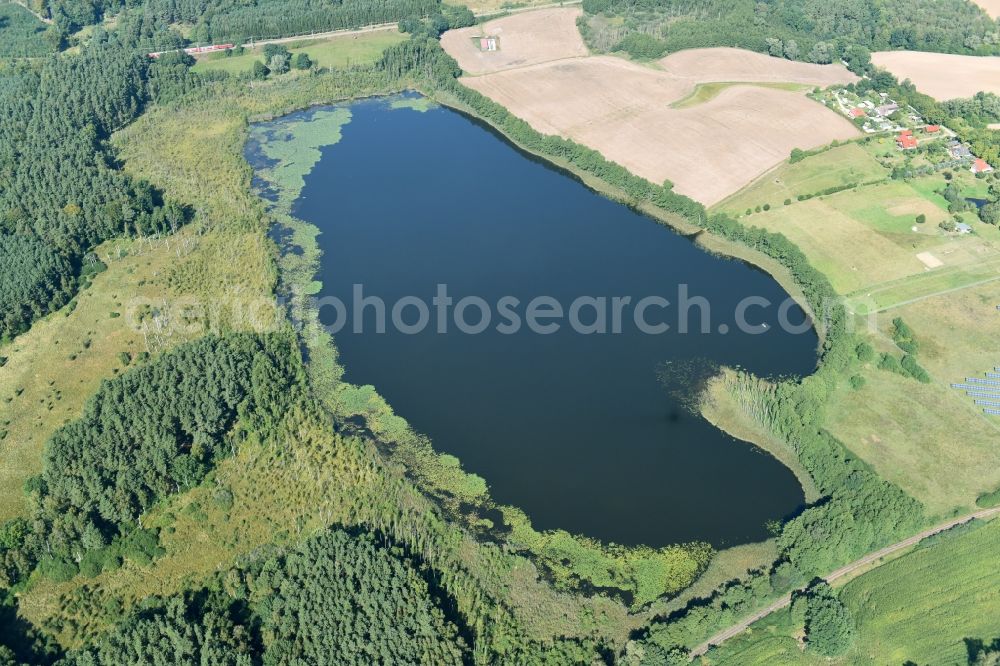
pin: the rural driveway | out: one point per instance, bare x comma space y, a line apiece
742, 626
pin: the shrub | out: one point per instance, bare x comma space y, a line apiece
913, 369
642, 46
864, 352
857, 382
829, 626
890, 363
57, 569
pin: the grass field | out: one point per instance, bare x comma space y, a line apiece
866, 239
909, 431
705, 92
919, 609
335, 52
21, 33
843, 165
56, 366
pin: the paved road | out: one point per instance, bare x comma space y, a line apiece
870, 558
323, 35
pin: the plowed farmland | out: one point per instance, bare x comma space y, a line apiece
708, 150
941, 75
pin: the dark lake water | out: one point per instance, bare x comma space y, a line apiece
576, 429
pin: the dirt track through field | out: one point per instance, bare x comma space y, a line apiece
623, 109
524, 39
870, 558
941, 75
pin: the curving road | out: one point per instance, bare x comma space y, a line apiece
870, 558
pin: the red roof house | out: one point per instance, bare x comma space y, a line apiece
932, 129
906, 141
980, 166
858, 113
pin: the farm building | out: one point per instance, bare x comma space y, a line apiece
488, 44
980, 166
963, 228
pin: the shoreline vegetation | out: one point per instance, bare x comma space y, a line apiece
809, 543
342, 457
639, 574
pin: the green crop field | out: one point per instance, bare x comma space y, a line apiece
920, 608
333, 53
843, 165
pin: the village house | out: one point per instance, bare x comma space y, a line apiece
906, 140
887, 110
959, 151
980, 166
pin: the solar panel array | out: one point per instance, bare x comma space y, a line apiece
984, 392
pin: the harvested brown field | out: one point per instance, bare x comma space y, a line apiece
709, 151
943, 76
726, 64
523, 39
991, 7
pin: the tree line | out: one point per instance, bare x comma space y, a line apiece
810, 30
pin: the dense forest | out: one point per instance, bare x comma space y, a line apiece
228, 20
340, 593
61, 192
811, 30
24, 35
156, 429
351, 594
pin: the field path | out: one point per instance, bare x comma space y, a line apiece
870, 558
38, 16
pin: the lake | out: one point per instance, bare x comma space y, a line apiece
576, 428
